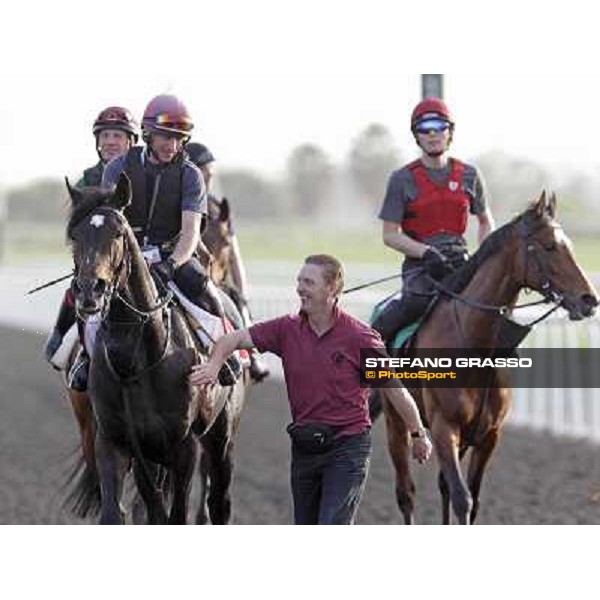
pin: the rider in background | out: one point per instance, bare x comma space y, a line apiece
237, 287
425, 213
115, 132
168, 200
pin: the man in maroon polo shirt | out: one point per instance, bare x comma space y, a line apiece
330, 430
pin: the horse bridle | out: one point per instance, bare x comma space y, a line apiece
530, 250
113, 291
547, 290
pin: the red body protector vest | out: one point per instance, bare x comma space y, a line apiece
439, 207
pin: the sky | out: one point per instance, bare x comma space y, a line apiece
261, 79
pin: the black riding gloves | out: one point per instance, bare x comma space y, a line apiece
436, 264
166, 269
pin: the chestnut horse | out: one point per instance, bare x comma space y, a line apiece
531, 252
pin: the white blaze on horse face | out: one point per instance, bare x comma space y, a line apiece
97, 221
561, 238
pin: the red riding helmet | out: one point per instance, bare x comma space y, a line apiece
167, 114
430, 106
116, 117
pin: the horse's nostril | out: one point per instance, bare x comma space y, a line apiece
589, 300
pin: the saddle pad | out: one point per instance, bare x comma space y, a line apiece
208, 325
404, 334
61, 356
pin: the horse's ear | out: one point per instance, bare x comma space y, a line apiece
122, 194
541, 205
224, 211
552, 205
74, 193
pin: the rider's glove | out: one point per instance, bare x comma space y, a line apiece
436, 264
166, 269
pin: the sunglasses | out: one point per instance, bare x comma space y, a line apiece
432, 125
166, 120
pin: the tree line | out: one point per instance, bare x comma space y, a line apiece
313, 187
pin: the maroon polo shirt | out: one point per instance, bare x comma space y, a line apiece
322, 374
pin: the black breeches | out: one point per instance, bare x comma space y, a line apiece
192, 280
417, 293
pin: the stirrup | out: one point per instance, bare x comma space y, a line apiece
78, 375
258, 368
230, 371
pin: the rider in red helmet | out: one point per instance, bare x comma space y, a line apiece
425, 214
237, 287
115, 131
169, 201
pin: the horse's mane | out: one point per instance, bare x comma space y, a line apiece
91, 199
458, 281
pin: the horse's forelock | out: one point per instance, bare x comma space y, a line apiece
93, 198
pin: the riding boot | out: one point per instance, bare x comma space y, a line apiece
258, 367
64, 322
399, 313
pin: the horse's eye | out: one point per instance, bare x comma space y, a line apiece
551, 247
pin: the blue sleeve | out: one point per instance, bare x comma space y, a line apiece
112, 171
193, 193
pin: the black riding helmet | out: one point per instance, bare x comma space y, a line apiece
199, 154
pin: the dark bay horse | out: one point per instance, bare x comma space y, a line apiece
530, 252
144, 407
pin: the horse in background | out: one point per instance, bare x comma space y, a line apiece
217, 253
530, 252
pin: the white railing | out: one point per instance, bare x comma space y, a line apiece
563, 411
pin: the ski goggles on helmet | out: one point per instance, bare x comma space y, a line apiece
432, 125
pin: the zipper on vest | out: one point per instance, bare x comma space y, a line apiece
152, 207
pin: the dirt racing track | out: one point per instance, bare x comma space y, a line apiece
533, 478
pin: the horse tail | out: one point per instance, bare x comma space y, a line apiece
84, 499
375, 405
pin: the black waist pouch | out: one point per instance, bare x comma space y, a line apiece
312, 438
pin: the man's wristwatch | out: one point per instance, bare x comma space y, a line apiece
418, 433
